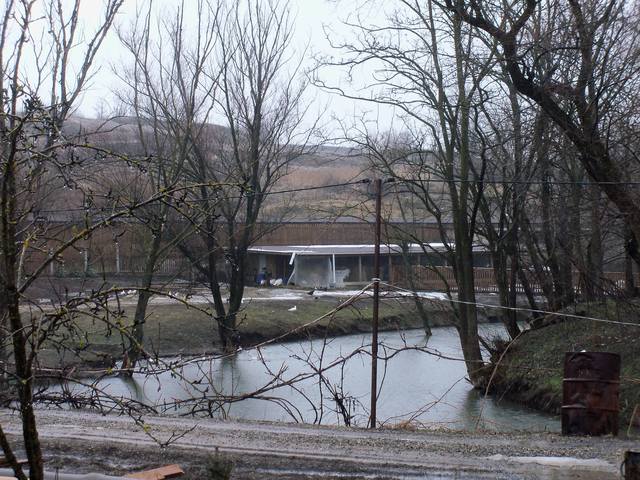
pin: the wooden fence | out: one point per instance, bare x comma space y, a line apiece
437, 278
83, 263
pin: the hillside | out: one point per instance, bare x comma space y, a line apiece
322, 165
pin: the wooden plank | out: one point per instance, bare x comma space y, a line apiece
148, 475
168, 471
5, 463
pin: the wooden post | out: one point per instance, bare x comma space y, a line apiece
52, 264
376, 305
117, 257
333, 268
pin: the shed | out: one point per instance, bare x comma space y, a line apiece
335, 266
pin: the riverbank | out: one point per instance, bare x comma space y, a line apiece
81, 442
185, 326
182, 323
531, 371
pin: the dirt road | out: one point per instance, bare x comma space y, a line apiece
81, 442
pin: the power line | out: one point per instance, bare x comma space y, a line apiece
494, 181
405, 182
518, 309
249, 193
319, 187
217, 198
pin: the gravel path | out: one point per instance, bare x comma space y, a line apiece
81, 442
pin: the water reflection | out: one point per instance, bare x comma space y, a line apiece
415, 386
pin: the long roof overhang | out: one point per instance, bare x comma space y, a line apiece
303, 250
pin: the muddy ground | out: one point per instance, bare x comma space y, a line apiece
81, 442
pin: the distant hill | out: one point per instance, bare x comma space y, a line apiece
324, 165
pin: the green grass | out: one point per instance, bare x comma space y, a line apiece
532, 369
175, 328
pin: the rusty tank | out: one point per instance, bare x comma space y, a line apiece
590, 392
631, 465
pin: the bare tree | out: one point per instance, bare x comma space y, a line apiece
224, 106
501, 128
429, 77
260, 101
171, 93
35, 62
603, 68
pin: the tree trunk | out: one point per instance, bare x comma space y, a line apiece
236, 291
575, 228
468, 326
630, 287
24, 374
422, 313
467, 310
504, 290
545, 280
19, 334
551, 269
209, 238
563, 255
528, 291
4, 338
594, 274
463, 213
136, 342
10, 456
216, 293
517, 193
512, 315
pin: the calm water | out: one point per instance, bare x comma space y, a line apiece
416, 386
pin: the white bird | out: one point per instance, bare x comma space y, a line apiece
293, 309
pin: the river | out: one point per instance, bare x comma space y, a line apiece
416, 387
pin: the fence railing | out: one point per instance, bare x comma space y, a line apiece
123, 265
441, 279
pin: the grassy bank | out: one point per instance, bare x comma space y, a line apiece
178, 329
531, 371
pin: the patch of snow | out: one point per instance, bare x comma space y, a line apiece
8, 473
560, 462
432, 295
352, 293
338, 293
286, 297
273, 294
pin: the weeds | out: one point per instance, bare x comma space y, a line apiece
218, 467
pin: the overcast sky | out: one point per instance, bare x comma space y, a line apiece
312, 18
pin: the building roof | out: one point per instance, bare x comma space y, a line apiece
350, 249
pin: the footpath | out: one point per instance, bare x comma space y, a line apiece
77, 442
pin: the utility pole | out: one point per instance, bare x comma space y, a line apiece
376, 305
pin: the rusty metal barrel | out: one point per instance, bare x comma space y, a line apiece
631, 466
590, 392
